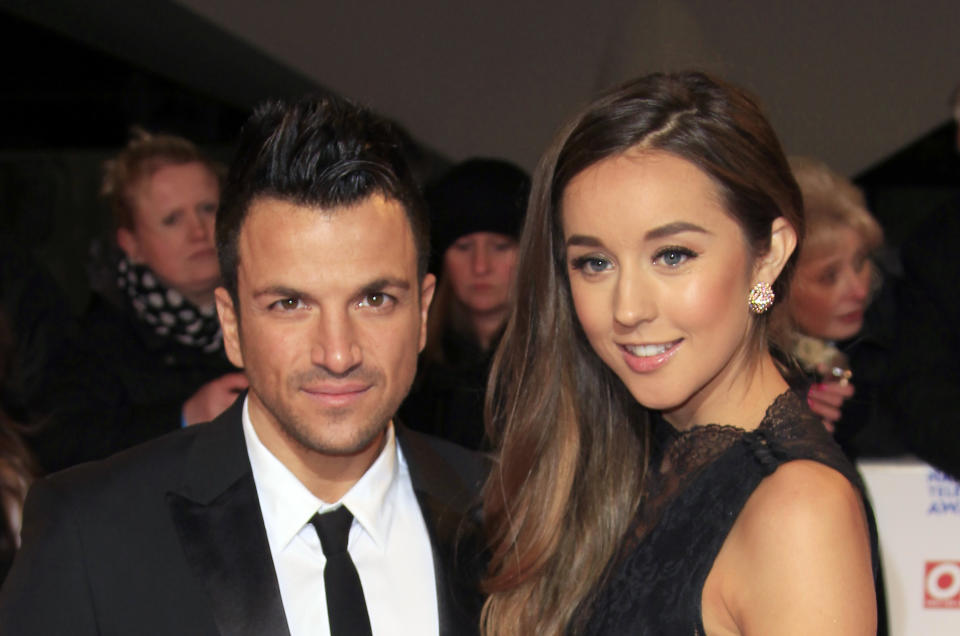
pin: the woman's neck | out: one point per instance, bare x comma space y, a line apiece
738, 398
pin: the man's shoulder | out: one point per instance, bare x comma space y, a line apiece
158, 464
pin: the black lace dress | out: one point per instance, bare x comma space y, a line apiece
704, 478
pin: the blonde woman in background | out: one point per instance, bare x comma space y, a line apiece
153, 358
845, 356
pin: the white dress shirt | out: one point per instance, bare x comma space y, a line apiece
388, 543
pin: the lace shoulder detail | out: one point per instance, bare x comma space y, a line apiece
698, 483
788, 430
787, 422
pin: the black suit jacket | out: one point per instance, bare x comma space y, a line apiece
168, 538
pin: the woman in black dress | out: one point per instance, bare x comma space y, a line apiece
656, 475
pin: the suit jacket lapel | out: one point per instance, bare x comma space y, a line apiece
448, 502
218, 519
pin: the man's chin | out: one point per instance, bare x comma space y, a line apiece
351, 443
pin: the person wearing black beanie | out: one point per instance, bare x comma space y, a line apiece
477, 211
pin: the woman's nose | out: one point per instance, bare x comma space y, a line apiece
481, 260
633, 301
859, 283
201, 225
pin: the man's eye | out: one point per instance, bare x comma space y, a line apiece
376, 301
287, 304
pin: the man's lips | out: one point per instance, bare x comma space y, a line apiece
336, 394
643, 358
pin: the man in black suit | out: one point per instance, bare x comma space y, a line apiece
219, 528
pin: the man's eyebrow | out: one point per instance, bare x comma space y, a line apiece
278, 290
379, 284
674, 228
386, 283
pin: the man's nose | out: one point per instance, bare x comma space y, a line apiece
336, 347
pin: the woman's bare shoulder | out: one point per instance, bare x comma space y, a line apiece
798, 559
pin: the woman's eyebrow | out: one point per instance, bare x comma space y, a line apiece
584, 241
674, 228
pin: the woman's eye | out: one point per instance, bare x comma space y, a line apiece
591, 264
170, 219
673, 256
828, 277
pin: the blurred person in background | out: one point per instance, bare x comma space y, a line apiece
152, 357
17, 466
477, 210
927, 372
842, 339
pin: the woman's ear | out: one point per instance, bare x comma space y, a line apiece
783, 240
129, 244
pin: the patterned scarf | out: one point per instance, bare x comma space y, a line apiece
166, 311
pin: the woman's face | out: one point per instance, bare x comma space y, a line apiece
659, 274
173, 229
480, 269
831, 288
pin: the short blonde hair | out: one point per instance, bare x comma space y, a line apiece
831, 201
143, 155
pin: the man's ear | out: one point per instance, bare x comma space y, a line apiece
427, 288
783, 240
230, 325
128, 242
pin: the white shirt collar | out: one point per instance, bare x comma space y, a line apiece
287, 505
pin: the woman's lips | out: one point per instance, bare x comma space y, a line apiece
204, 253
852, 317
644, 358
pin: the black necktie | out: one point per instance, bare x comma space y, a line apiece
346, 607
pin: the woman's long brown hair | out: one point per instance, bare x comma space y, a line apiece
573, 442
